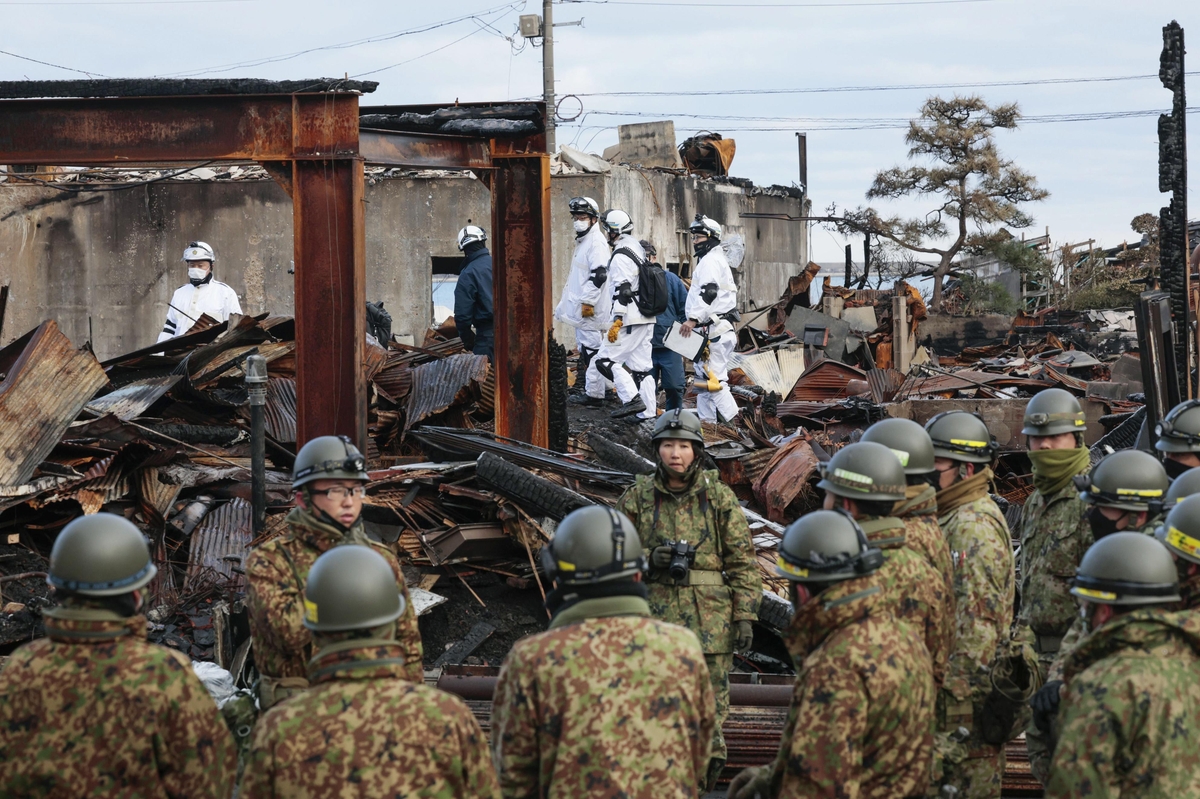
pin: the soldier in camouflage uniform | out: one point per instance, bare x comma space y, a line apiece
362, 728
329, 476
94, 709
984, 585
719, 597
1178, 438
1181, 533
1131, 704
1054, 534
861, 717
866, 480
609, 702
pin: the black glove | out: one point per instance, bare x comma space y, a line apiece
660, 557
467, 336
1045, 705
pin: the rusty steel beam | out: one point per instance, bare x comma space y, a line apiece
521, 288
123, 130
423, 150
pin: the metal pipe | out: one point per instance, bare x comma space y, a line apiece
481, 688
548, 70
256, 388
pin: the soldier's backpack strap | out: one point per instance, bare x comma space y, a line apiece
292, 564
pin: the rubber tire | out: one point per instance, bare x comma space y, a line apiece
537, 495
774, 613
618, 456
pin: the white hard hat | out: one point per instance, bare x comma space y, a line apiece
198, 251
469, 234
705, 226
584, 205
616, 221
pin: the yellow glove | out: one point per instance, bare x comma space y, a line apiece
713, 383
613, 331
587, 311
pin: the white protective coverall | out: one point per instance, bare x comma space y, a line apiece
712, 295
633, 348
589, 265
213, 298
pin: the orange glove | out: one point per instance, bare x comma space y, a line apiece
613, 331
587, 311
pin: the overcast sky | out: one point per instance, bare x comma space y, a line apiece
1100, 173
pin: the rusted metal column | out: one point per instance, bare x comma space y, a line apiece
521, 289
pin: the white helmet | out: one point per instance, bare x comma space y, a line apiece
584, 205
616, 221
198, 251
705, 226
469, 234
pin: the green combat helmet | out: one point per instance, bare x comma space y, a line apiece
1180, 431
961, 436
907, 440
1127, 569
1129, 479
1052, 412
1182, 487
100, 555
328, 458
825, 546
351, 588
1181, 531
594, 544
679, 424
865, 470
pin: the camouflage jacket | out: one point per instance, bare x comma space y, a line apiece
707, 516
983, 586
1130, 712
363, 729
1189, 585
913, 589
861, 718
924, 535
1054, 535
96, 710
603, 705
276, 572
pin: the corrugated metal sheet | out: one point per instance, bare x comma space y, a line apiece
280, 416
46, 384
884, 384
131, 400
218, 546
157, 496
785, 478
825, 380
394, 380
940, 384
437, 385
774, 370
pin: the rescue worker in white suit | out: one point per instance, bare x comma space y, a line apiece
586, 303
625, 352
711, 309
201, 295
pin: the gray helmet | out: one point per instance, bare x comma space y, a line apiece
1182, 487
1128, 479
1127, 569
594, 544
1051, 412
1180, 431
100, 555
351, 587
679, 424
961, 436
328, 458
1181, 530
865, 470
907, 440
825, 546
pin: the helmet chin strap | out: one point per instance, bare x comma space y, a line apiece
320, 513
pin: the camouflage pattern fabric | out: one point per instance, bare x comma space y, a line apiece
611, 706
276, 572
861, 718
913, 588
1189, 585
924, 535
984, 591
363, 729
95, 710
1130, 710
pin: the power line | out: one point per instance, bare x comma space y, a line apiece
693, 4
118, 2
422, 55
878, 88
56, 66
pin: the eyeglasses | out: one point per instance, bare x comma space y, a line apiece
339, 493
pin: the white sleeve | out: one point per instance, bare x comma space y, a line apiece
621, 270
232, 306
170, 327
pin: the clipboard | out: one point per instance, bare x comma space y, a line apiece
687, 347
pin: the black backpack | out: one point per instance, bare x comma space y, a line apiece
651, 295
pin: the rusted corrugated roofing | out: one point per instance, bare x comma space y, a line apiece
437, 385
884, 384
46, 384
280, 416
394, 380
218, 546
131, 400
825, 380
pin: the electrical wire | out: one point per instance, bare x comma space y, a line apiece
50, 184
693, 4
422, 55
56, 66
119, 2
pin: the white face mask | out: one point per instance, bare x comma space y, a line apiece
581, 226
196, 273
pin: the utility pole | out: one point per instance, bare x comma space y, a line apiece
548, 71
1172, 177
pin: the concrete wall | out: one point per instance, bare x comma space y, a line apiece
104, 265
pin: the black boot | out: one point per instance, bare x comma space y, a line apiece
630, 408
585, 400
